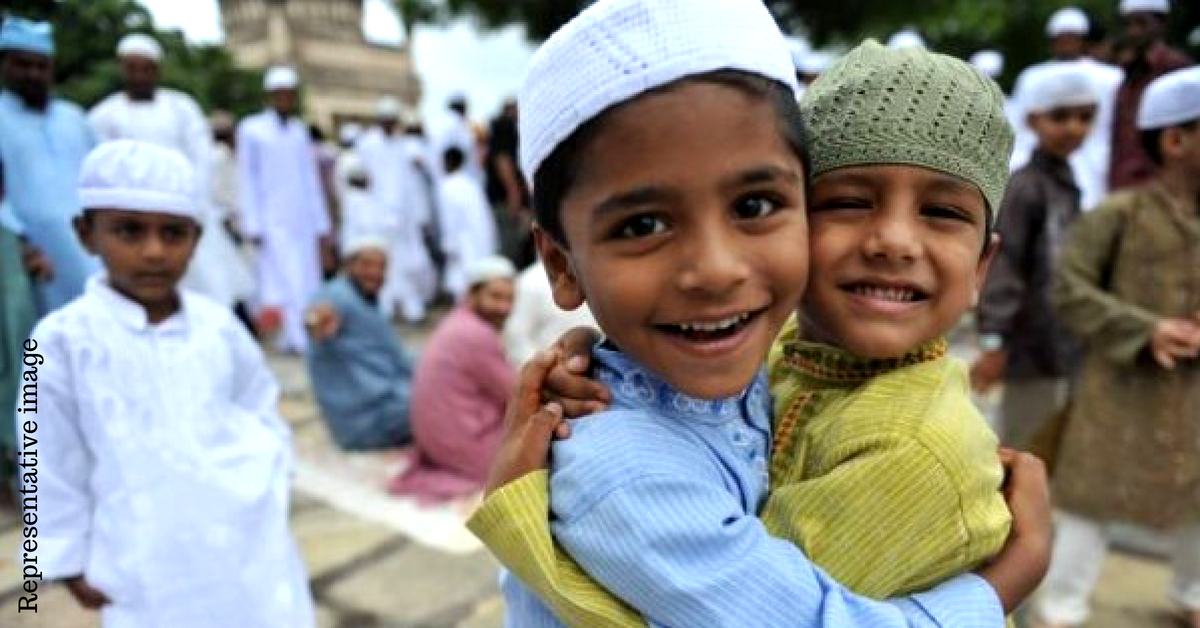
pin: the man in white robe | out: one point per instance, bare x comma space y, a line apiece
283, 206
412, 277
1067, 32
144, 110
472, 233
456, 132
162, 461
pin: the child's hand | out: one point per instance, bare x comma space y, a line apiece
568, 383
1175, 339
88, 597
528, 425
1020, 566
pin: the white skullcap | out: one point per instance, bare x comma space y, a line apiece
1136, 6
1060, 84
365, 241
1171, 99
906, 39
486, 269
989, 62
139, 45
1068, 21
387, 108
817, 62
349, 132
281, 77
131, 175
617, 49
799, 48
411, 116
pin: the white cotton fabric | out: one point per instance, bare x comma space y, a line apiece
536, 322
387, 108
617, 49
139, 45
349, 133
470, 232
1134, 6
281, 77
1065, 84
989, 62
1068, 21
163, 466
360, 242
1171, 99
138, 176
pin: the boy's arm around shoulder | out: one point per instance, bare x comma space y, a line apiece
907, 497
677, 544
58, 456
514, 524
1088, 308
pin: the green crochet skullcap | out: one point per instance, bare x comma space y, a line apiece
910, 106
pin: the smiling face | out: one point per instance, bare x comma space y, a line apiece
145, 254
368, 270
685, 234
895, 255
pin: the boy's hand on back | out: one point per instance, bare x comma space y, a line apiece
1020, 566
528, 424
87, 596
568, 382
1175, 339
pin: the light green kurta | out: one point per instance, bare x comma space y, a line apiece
17, 317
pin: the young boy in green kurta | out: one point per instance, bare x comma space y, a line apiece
882, 469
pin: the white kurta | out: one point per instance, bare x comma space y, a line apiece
412, 278
469, 231
225, 196
162, 467
284, 205
536, 321
1091, 162
456, 132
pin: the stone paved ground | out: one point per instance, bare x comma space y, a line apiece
368, 575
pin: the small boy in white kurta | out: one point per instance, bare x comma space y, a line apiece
162, 462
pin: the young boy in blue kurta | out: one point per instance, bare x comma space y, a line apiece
660, 201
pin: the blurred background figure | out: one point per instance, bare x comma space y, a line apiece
231, 250
536, 321
506, 189
471, 235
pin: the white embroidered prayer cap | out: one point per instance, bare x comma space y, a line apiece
486, 269
1068, 21
139, 45
906, 39
798, 47
1060, 84
365, 242
617, 49
132, 175
349, 132
1171, 99
281, 77
1137, 6
989, 62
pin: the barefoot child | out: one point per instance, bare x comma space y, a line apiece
662, 202
162, 460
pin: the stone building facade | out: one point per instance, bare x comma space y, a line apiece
343, 74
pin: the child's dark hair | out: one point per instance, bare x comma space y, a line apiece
453, 158
1152, 139
557, 173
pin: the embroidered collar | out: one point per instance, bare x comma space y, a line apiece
834, 364
634, 386
130, 313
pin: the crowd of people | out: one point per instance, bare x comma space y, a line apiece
148, 250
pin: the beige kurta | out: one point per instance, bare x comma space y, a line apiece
1131, 451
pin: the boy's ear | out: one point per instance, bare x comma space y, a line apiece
84, 230
985, 263
564, 284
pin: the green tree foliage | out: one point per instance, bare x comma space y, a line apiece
86, 35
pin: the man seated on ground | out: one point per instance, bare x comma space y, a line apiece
460, 389
360, 372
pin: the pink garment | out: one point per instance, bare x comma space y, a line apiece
459, 393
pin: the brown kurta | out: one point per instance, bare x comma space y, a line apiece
1129, 163
1131, 451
